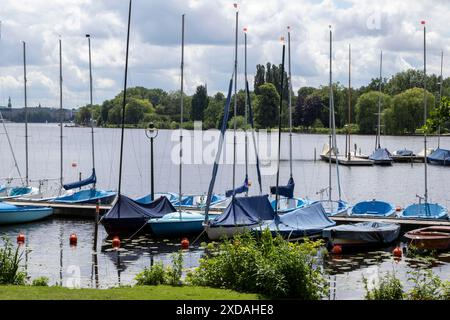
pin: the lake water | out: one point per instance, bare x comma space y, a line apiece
48, 252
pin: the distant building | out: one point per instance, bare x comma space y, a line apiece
36, 114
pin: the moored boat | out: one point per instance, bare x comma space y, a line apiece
333, 207
373, 207
11, 214
381, 156
424, 211
431, 238
439, 157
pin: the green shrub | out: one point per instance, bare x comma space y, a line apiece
152, 276
389, 288
40, 282
269, 266
426, 285
10, 264
173, 273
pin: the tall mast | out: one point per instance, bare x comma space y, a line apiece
61, 115
349, 99
91, 104
378, 143
181, 112
425, 108
26, 111
246, 108
440, 97
330, 107
124, 102
289, 101
235, 100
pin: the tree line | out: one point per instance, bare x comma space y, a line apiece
402, 97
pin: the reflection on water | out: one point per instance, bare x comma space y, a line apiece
47, 252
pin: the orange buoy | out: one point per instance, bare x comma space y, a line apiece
398, 208
397, 252
337, 249
20, 238
73, 239
116, 242
185, 243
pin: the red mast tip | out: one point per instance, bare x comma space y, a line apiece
245, 29
422, 22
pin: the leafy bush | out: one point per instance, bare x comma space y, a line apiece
173, 273
269, 266
152, 276
426, 285
389, 288
9, 264
40, 282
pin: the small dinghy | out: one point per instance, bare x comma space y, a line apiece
362, 234
198, 201
374, 207
424, 211
288, 204
9, 193
431, 238
439, 157
382, 157
333, 207
11, 214
171, 196
303, 222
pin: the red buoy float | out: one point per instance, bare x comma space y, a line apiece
116, 242
21, 238
73, 239
397, 252
185, 243
337, 249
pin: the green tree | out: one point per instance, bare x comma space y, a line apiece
299, 108
214, 112
199, 103
259, 78
367, 110
135, 110
266, 113
83, 116
439, 116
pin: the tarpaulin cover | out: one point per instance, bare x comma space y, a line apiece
245, 211
92, 179
441, 156
381, 154
285, 191
404, 153
370, 232
241, 189
306, 221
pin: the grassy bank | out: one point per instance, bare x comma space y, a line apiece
123, 293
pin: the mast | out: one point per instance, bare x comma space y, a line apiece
235, 101
330, 119
124, 101
61, 116
289, 101
377, 141
349, 99
26, 111
246, 109
181, 112
91, 104
440, 97
425, 109
279, 128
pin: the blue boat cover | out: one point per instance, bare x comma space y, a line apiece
404, 153
441, 156
245, 211
381, 154
306, 221
127, 208
91, 180
286, 191
241, 189
370, 232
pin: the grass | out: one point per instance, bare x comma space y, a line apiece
122, 293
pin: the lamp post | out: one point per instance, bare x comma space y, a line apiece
151, 132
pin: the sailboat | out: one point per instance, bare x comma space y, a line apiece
287, 202
380, 156
181, 222
425, 210
242, 213
92, 195
332, 207
127, 217
440, 156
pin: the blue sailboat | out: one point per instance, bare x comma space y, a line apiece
424, 210
439, 157
286, 201
171, 196
11, 214
332, 207
303, 222
374, 208
92, 195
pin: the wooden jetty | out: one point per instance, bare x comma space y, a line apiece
345, 161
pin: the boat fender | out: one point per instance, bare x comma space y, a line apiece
20, 238
73, 239
397, 252
116, 242
398, 208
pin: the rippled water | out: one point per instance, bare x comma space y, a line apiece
48, 253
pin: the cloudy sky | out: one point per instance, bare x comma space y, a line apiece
369, 26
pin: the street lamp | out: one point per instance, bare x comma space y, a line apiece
151, 132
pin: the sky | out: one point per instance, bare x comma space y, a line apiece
155, 43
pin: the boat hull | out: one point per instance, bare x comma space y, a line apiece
286, 205
24, 214
372, 208
88, 197
125, 227
431, 238
334, 207
218, 233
